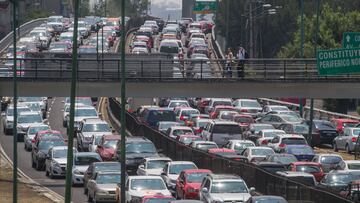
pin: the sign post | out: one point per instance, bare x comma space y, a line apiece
338, 61
205, 6
351, 40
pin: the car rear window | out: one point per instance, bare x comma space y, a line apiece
227, 129
222, 103
293, 141
163, 115
308, 169
330, 159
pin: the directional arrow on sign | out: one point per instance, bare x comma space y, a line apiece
348, 38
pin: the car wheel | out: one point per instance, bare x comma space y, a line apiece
347, 149
335, 147
90, 199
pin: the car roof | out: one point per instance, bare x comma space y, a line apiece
203, 142
180, 128
294, 174
306, 163
222, 122
215, 150
258, 147
180, 162
224, 176
157, 158
347, 120
290, 136
352, 161
86, 154
59, 147
24, 113
93, 121
272, 130
320, 155
197, 171
242, 141
145, 177
137, 139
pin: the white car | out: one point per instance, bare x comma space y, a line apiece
82, 160
176, 103
175, 131
350, 165
152, 166
248, 106
328, 161
239, 145
182, 114
220, 188
215, 102
25, 120
88, 128
81, 113
55, 163
31, 132
162, 126
257, 153
265, 136
172, 170
139, 186
102, 186
203, 145
279, 142
8, 117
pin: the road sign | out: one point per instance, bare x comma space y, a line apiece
205, 7
351, 40
338, 61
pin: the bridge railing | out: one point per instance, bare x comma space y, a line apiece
264, 182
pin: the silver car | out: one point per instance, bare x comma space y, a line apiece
55, 163
347, 140
102, 186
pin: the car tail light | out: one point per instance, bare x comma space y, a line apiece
198, 131
244, 110
264, 142
282, 145
182, 118
354, 139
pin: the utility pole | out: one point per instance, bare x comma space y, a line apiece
70, 155
227, 2
302, 30
251, 37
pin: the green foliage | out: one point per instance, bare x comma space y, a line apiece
84, 8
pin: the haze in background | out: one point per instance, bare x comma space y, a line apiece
166, 8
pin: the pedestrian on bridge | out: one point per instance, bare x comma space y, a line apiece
229, 61
240, 67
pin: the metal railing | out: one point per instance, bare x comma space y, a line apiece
265, 182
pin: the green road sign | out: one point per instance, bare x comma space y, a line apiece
205, 7
351, 40
338, 61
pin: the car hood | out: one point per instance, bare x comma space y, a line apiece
80, 118
231, 196
80, 168
156, 171
142, 193
61, 160
89, 134
107, 187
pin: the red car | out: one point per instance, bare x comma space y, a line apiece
341, 123
47, 133
157, 199
189, 182
308, 167
106, 147
243, 120
187, 139
215, 113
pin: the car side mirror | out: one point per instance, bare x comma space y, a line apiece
252, 191
204, 190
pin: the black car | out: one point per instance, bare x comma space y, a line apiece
136, 149
291, 128
284, 159
323, 132
271, 167
338, 181
41, 148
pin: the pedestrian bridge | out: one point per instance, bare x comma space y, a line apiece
160, 75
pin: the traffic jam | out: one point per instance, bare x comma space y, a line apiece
273, 137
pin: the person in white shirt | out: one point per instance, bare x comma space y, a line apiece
229, 60
240, 67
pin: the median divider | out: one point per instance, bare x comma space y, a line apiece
264, 182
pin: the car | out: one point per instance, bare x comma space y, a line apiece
189, 182
162, 126
295, 128
221, 131
308, 167
175, 131
25, 120
337, 181
350, 165
60, 47
81, 113
178, 103
279, 142
183, 113
214, 114
271, 167
328, 161
324, 132
157, 199
137, 148
265, 136
202, 104
216, 102
152, 115
152, 166
41, 148
346, 140
82, 160
277, 119
41, 101
8, 117
172, 171
257, 153
139, 186
248, 106
107, 147
102, 186
289, 113
199, 124
203, 145
254, 129
55, 163
94, 143
270, 108
224, 188
96, 167
187, 139
30, 135
239, 145
284, 159
341, 123
243, 120
266, 199
301, 152
301, 177
48, 133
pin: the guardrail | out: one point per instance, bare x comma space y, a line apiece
265, 183
24, 29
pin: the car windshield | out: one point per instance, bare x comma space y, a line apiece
103, 166
285, 159
205, 147
60, 153
10, 111
200, 124
353, 166
162, 115
34, 118
108, 179
100, 127
243, 120
157, 200
147, 184
301, 129
110, 144
86, 160
35, 129
188, 112
85, 112
30, 99
156, 164
46, 145
227, 129
87, 50
140, 147
262, 152
182, 132
266, 200
222, 103
293, 141
176, 104
58, 46
252, 104
166, 126
273, 133
350, 125
188, 140
308, 168
34, 106
85, 101
169, 49
330, 159
300, 150
229, 187
273, 168
343, 179
324, 124
290, 118
177, 168
195, 177
242, 146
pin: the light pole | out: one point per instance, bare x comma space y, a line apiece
227, 5
302, 35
